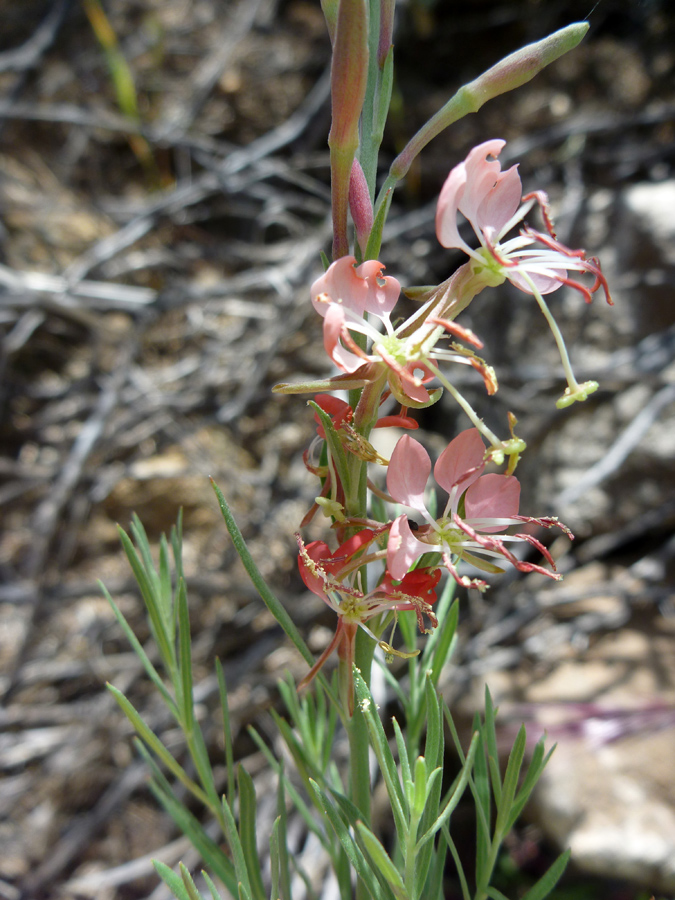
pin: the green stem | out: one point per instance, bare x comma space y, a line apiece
482, 888
411, 855
466, 406
359, 746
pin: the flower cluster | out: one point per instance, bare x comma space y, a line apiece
383, 360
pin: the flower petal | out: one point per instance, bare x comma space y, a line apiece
333, 326
408, 473
491, 197
403, 548
492, 497
446, 210
382, 291
362, 289
461, 463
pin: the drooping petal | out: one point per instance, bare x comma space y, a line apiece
545, 284
446, 210
461, 463
492, 497
333, 328
403, 548
408, 473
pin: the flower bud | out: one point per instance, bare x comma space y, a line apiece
360, 205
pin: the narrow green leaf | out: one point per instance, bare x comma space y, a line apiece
190, 886
247, 832
491, 742
152, 672
213, 856
149, 591
406, 774
381, 859
157, 747
268, 598
442, 647
141, 538
353, 851
184, 660
164, 589
244, 893
425, 852
434, 745
384, 95
384, 756
419, 792
282, 853
456, 795
236, 849
459, 868
274, 861
173, 881
511, 781
227, 730
177, 545
494, 894
548, 881
296, 799
433, 888
211, 886
536, 767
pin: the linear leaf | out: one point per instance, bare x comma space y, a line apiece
227, 730
456, 795
381, 859
190, 886
494, 894
350, 847
211, 886
247, 832
157, 747
236, 849
149, 589
549, 879
210, 852
491, 742
152, 672
173, 881
271, 602
511, 777
184, 659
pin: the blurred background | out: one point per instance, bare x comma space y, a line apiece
164, 199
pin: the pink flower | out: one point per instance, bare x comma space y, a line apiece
330, 575
358, 300
535, 262
490, 200
478, 506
